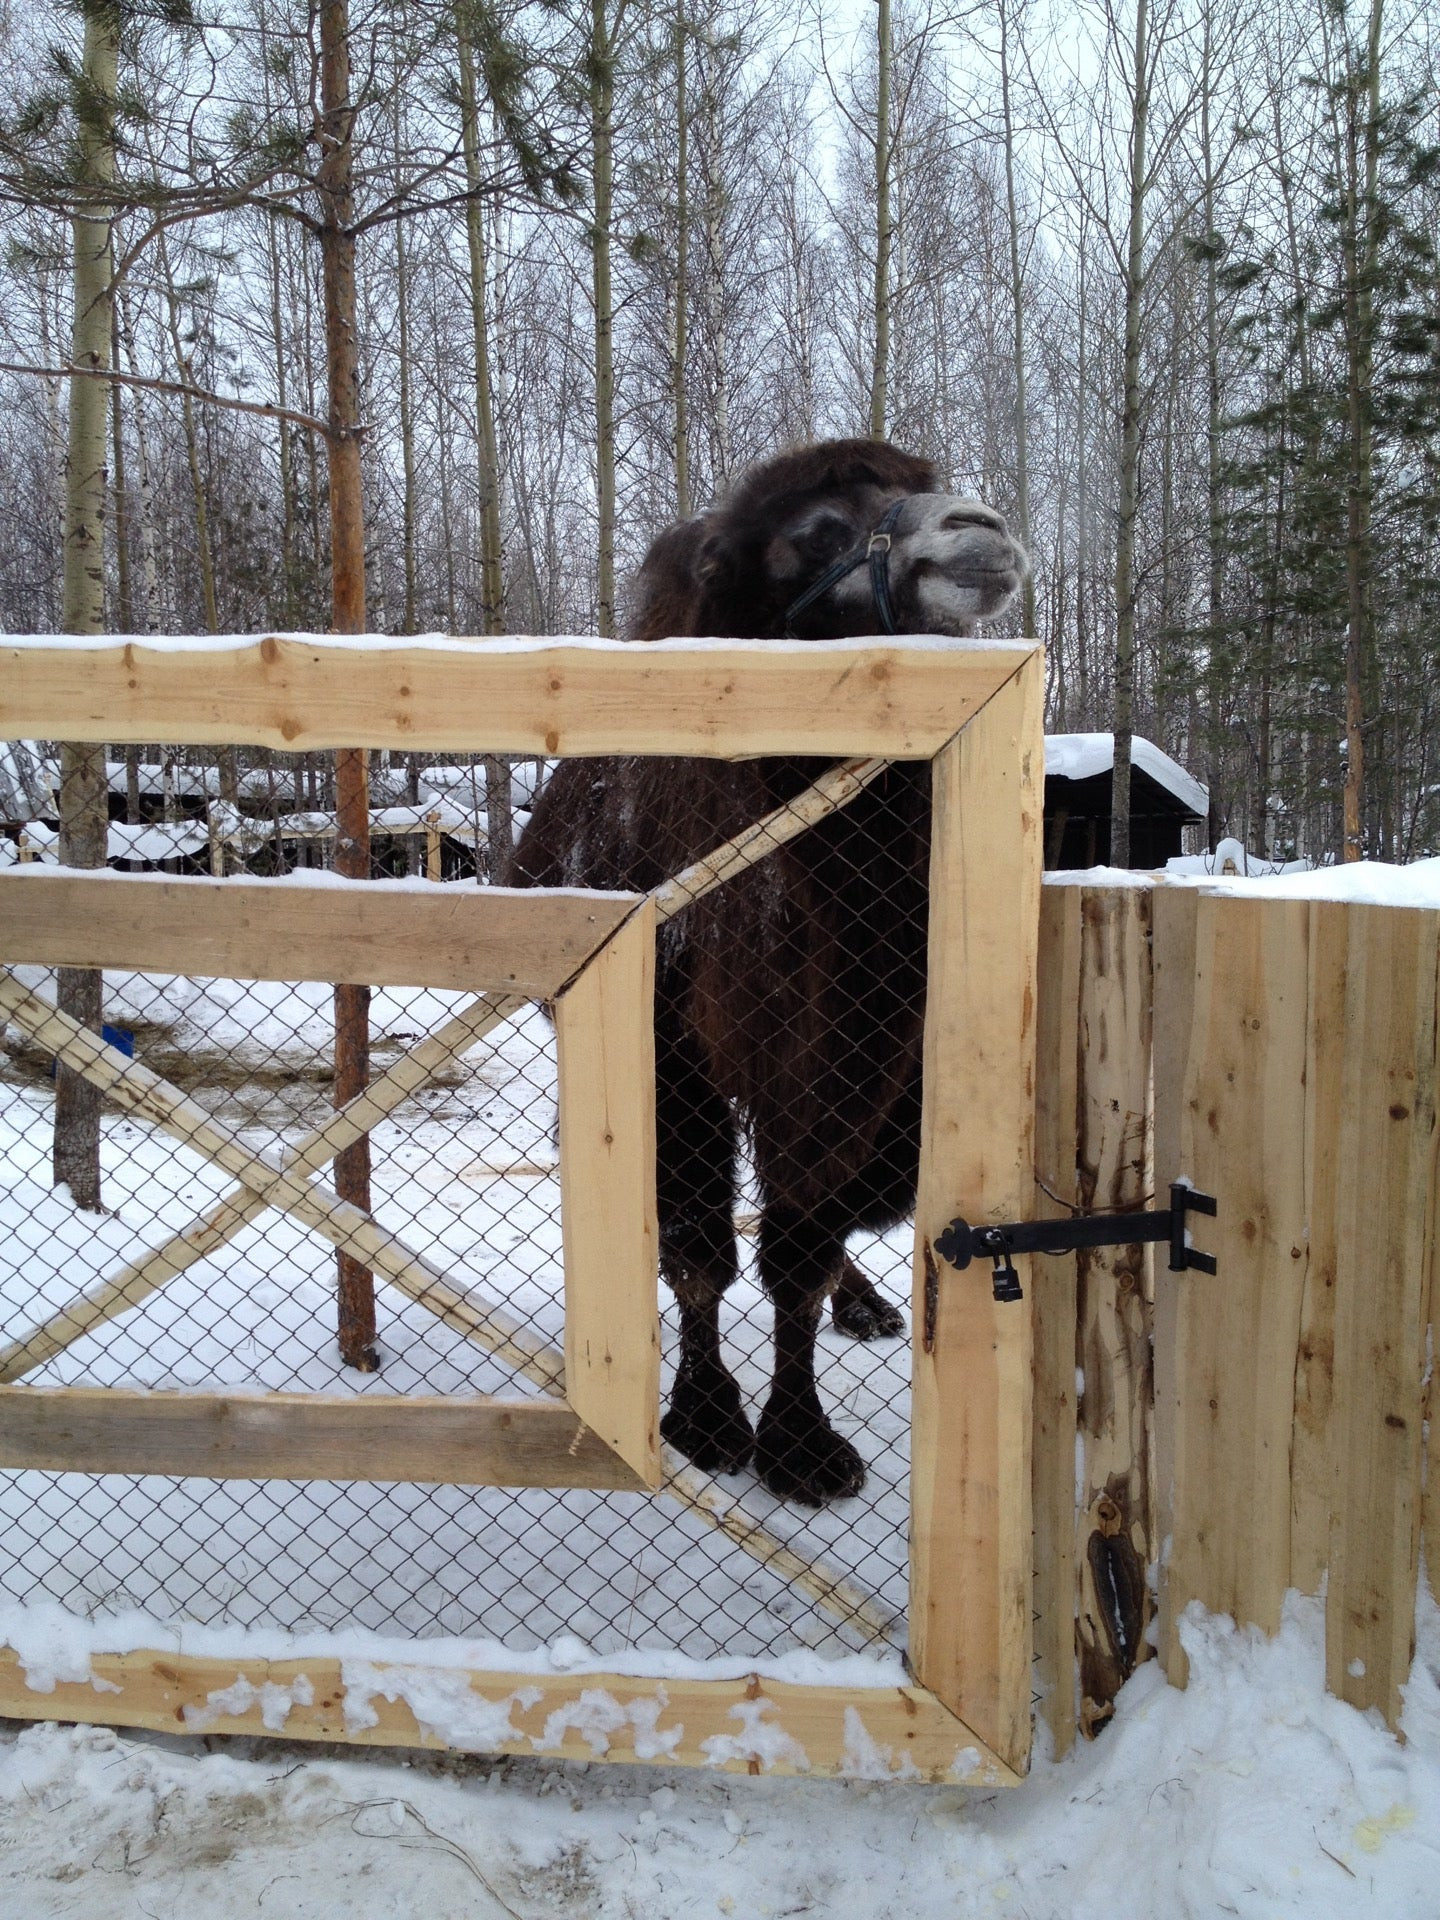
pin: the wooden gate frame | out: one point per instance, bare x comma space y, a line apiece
974, 709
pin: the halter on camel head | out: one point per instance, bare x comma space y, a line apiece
875, 549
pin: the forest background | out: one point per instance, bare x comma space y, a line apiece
1158, 278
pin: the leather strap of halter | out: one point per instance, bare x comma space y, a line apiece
875, 551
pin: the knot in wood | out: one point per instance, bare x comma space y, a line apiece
1108, 1517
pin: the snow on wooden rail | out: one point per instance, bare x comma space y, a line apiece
300, 692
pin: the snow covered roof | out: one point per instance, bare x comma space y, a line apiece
1079, 756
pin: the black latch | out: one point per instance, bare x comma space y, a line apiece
961, 1243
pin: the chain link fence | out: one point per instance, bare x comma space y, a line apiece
465, 1171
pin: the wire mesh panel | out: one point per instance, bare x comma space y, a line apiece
466, 1173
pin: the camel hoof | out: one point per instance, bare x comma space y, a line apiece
811, 1466
714, 1437
866, 1316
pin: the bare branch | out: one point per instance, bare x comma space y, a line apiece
267, 409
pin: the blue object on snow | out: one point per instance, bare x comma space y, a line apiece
120, 1038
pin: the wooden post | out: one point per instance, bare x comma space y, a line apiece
605, 1039
433, 867
1384, 1245
1114, 1298
347, 588
1052, 1287
970, 1551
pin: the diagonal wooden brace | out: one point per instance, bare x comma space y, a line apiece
135, 1089
234, 1210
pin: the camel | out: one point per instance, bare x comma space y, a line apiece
789, 1005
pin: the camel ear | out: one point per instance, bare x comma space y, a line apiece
668, 584
716, 560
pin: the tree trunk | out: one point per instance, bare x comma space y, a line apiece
1129, 476
1360, 231
498, 802
492, 557
347, 595
407, 425
192, 448
1082, 501
1017, 305
84, 799
884, 229
680, 336
124, 594
149, 608
602, 138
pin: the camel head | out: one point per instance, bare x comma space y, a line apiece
844, 537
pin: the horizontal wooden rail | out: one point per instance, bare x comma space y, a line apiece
385, 933
478, 1441
742, 1725
729, 699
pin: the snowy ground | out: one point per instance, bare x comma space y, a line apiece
1253, 1794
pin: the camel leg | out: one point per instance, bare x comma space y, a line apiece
695, 1182
859, 1310
880, 1196
798, 1453
705, 1419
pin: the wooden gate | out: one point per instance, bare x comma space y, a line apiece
973, 710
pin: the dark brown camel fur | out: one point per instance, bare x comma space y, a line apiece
790, 1002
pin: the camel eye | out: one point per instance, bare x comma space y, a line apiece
825, 538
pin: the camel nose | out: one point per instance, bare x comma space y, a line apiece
951, 513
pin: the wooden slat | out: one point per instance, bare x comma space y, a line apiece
1384, 1201
742, 1725
725, 698
481, 1441
605, 1029
382, 933
1052, 1286
1172, 910
971, 1541
1237, 1335
1312, 1464
1115, 1541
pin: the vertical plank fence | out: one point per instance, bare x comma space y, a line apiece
1292, 1049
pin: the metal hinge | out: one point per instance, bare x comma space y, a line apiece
961, 1243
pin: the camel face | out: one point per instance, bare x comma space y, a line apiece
951, 562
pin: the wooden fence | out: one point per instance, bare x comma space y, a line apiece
1261, 1429
1246, 1432
973, 710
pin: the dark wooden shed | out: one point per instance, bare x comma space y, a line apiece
1079, 771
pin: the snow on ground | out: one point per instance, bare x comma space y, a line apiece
1252, 1794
